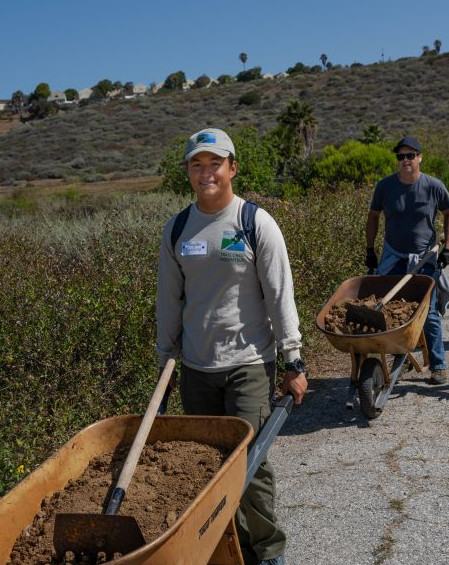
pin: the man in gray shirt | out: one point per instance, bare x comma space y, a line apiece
226, 311
410, 201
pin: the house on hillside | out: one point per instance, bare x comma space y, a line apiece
84, 94
3, 105
281, 75
267, 75
114, 93
140, 89
58, 97
188, 84
155, 87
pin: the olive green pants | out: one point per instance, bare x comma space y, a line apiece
244, 392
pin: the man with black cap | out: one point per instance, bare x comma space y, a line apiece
226, 307
410, 200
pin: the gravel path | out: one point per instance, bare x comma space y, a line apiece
354, 491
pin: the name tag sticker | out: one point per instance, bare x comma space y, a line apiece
193, 248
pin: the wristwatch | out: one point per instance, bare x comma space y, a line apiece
297, 365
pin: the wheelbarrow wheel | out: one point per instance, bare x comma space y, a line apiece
370, 385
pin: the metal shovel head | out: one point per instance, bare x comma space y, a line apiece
91, 534
372, 319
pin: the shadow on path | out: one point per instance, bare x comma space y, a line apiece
324, 406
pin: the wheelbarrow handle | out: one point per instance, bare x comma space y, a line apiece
409, 275
266, 436
140, 439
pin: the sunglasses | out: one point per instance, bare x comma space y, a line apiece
408, 156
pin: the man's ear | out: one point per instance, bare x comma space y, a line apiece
420, 159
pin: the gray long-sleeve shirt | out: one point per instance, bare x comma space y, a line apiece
217, 306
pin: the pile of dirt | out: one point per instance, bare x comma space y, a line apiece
396, 313
168, 477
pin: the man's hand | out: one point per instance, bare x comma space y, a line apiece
443, 258
371, 259
296, 383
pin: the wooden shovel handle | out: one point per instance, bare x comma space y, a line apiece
145, 427
409, 275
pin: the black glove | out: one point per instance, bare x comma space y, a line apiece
371, 259
443, 258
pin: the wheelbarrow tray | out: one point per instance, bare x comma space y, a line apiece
191, 540
400, 340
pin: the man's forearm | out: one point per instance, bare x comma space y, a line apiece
372, 227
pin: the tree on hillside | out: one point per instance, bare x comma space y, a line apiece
225, 79
323, 59
243, 58
298, 125
437, 45
41, 92
251, 74
71, 94
372, 134
17, 101
203, 81
175, 81
298, 69
425, 51
128, 88
101, 89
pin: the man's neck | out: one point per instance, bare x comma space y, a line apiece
409, 178
213, 206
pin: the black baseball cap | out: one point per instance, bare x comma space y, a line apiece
408, 142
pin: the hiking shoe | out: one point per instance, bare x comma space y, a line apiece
438, 377
279, 560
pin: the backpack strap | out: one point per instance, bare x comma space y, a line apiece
249, 210
179, 224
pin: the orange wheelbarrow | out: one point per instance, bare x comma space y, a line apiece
373, 372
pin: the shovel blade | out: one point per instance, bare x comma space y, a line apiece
373, 319
91, 534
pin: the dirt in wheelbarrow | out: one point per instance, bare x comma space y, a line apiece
396, 312
169, 476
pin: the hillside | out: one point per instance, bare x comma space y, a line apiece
128, 138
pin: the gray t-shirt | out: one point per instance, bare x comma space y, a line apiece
410, 211
216, 305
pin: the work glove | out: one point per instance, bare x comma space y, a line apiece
371, 259
443, 258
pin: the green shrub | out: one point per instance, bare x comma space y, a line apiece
250, 97
354, 162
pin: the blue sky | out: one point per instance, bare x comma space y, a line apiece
76, 43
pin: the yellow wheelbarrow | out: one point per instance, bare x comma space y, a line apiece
373, 372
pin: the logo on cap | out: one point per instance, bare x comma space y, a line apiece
206, 137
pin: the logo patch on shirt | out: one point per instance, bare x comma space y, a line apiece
232, 241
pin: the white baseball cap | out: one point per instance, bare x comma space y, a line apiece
212, 140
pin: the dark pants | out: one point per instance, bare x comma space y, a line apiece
244, 392
433, 329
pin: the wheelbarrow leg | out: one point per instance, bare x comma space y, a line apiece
395, 371
356, 362
228, 550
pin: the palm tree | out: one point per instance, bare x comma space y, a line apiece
323, 59
437, 45
300, 125
243, 58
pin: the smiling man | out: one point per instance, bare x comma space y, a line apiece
410, 200
225, 305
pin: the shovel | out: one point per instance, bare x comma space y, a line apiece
90, 534
374, 318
